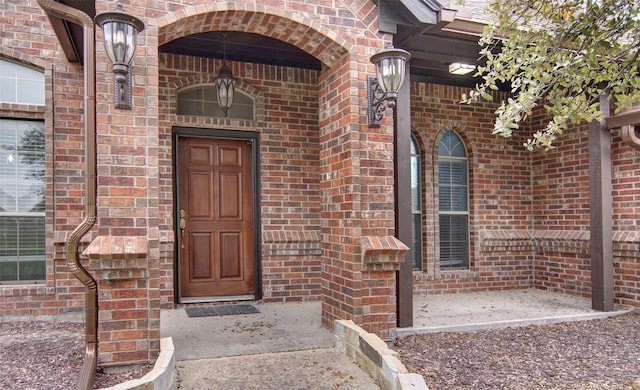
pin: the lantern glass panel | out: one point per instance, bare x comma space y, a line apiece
120, 41
390, 73
225, 92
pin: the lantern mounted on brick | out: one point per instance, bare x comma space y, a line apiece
382, 89
225, 83
120, 32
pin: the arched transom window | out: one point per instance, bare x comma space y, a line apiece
20, 83
201, 100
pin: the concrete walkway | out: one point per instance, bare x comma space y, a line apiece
285, 347
282, 347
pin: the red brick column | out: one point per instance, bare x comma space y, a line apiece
125, 255
340, 195
382, 257
121, 267
360, 256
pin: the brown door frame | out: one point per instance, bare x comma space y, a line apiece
254, 139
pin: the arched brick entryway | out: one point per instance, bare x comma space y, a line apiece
351, 208
353, 171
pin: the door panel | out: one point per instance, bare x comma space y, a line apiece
230, 245
200, 183
231, 196
215, 195
201, 245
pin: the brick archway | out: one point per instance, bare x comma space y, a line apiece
317, 40
356, 177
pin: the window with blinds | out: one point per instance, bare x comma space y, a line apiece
22, 237
453, 196
201, 100
416, 207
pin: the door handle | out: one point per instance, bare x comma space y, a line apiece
183, 222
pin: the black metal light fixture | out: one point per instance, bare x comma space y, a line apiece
225, 83
383, 88
120, 33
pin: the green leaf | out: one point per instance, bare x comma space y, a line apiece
561, 55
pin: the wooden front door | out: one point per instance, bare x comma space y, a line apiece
215, 217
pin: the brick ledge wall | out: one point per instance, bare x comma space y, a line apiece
571, 241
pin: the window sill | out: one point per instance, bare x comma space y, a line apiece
458, 273
445, 274
24, 289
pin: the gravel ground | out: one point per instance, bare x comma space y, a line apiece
48, 355
596, 354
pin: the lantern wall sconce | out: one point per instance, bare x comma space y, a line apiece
382, 90
120, 33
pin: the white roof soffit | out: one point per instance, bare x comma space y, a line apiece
460, 21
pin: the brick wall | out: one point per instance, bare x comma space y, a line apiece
125, 204
561, 196
626, 221
529, 211
499, 193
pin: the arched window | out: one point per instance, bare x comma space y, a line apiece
201, 100
416, 206
22, 168
453, 195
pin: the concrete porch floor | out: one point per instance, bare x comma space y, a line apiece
262, 350
297, 326
498, 309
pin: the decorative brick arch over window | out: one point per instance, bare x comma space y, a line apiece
207, 79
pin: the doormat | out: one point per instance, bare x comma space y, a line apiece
213, 311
